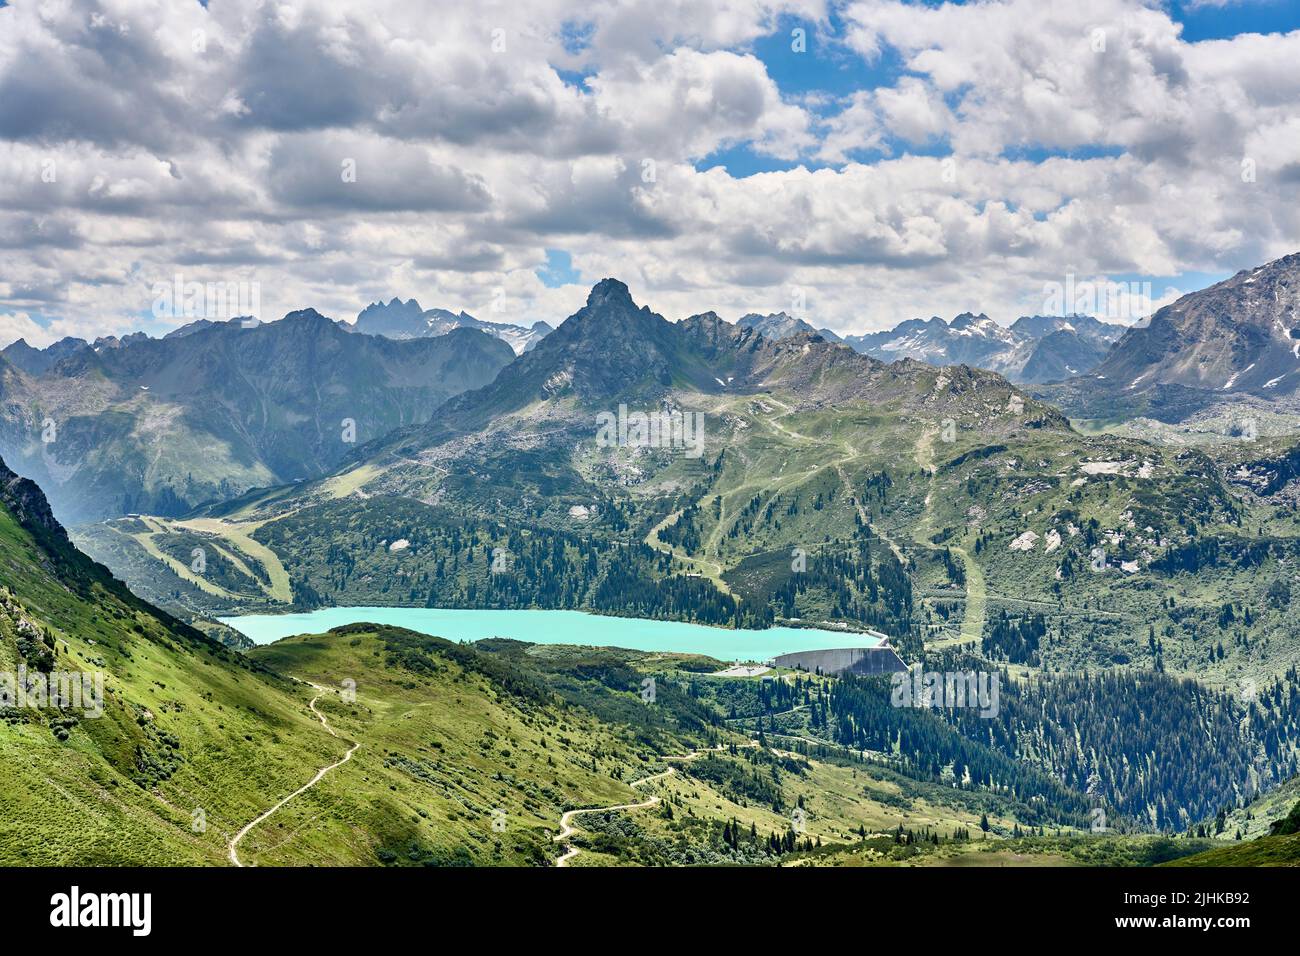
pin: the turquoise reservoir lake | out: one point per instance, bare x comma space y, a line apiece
558, 627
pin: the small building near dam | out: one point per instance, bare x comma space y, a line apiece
879, 659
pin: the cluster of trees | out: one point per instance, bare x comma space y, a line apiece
776, 844
1155, 748
685, 532
343, 554
923, 744
860, 586
1222, 551
741, 699
1014, 639
215, 567
754, 779
955, 570
637, 581
910, 837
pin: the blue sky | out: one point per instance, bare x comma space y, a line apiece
1215, 22
826, 67
558, 270
824, 70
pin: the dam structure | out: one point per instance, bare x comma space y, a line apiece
879, 658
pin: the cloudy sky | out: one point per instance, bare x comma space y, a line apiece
869, 161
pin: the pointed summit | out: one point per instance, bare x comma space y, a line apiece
610, 293
400, 319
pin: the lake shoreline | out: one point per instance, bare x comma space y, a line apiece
551, 626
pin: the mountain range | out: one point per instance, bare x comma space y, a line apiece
944, 475
406, 320
944, 507
1033, 349
1234, 343
781, 325
160, 425
523, 451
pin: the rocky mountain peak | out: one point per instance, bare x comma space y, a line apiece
398, 319
1241, 334
310, 316
610, 294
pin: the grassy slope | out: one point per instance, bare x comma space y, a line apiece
187, 725
1264, 851
1070, 850
1253, 820
1258, 848
450, 735
443, 747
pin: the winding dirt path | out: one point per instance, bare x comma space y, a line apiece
713, 570
320, 774
566, 820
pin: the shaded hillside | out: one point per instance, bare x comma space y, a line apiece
161, 425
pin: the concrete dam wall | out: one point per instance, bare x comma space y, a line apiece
841, 660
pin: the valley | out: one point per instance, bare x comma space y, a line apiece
815, 455
1130, 595
391, 747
